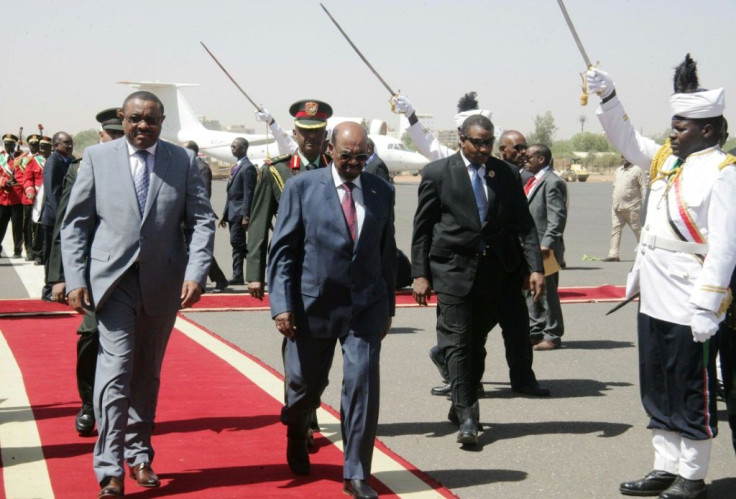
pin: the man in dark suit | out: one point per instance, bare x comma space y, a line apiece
547, 196
136, 243
470, 216
216, 275
331, 275
240, 187
54, 171
512, 149
375, 164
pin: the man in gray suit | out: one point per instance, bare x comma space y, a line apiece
547, 197
331, 275
137, 242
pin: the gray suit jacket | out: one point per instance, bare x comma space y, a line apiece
103, 233
548, 206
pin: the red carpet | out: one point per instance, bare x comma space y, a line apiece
243, 301
217, 433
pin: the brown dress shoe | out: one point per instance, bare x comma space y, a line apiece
144, 475
546, 345
112, 487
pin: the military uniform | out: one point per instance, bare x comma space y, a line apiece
11, 195
32, 174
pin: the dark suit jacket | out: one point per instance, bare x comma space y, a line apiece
548, 206
240, 189
315, 271
54, 171
448, 232
56, 269
206, 172
377, 167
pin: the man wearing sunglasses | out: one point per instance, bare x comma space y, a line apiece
470, 215
512, 149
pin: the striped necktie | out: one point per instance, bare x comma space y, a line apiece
141, 179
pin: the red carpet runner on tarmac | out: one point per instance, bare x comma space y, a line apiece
217, 432
243, 301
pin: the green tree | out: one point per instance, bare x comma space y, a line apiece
84, 139
588, 142
408, 142
544, 129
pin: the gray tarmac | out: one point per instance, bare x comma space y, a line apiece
581, 442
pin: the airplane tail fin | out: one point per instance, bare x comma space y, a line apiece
179, 114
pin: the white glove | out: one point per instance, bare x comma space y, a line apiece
401, 105
264, 116
632, 280
599, 82
704, 325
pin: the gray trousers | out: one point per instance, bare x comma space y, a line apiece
307, 362
127, 378
545, 314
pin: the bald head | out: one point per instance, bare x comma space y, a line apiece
512, 146
349, 149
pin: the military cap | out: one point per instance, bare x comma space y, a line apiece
34, 138
9, 137
109, 119
310, 113
45, 139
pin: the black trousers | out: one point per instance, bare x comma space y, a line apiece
12, 214
37, 244
463, 323
677, 378
28, 230
727, 346
87, 345
215, 274
237, 241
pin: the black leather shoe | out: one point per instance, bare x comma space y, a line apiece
441, 390
84, 423
233, 281
359, 488
220, 286
682, 488
611, 259
653, 484
531, 390
297, 455
468, 434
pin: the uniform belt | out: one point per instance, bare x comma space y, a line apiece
665, 243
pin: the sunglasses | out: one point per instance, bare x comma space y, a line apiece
521, 147
479, 142
346, 156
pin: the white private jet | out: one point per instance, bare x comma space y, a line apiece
181, 125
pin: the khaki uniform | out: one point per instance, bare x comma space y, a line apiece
629, 191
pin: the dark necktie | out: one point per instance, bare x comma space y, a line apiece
141, 178
480, 194
348, 208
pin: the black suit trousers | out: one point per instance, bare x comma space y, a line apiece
727, 346
237, 241
463, 323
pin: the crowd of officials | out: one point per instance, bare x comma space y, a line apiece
127, 234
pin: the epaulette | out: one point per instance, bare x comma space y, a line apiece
276, 177
664, 152
277, 159
730, 160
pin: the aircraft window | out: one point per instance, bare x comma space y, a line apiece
391, 146
402, 147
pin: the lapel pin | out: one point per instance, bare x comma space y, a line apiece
491, 173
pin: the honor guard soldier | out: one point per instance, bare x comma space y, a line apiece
310, 128
32, 173
11, 194
682, 269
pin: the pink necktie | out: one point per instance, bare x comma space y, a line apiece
348, 208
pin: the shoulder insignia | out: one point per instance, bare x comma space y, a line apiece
276, 159
664, 152
730, 160
277, 177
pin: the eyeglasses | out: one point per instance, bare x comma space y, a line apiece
135, 120
478, 143
360, 157
521, 147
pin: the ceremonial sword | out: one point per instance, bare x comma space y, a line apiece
588, 64
358, 51
231, 78
623, 304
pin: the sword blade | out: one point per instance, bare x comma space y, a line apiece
623, 304
231, 78
357, 50
574, 32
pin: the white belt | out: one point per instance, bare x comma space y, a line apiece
653, 241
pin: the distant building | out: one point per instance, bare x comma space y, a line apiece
240, 129
447, 138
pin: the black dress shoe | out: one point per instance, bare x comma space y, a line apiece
17, 255
682, 488
653, 484
468, 434
611, 259
297, 455
359, 488
234, 281
84, 423
220, 286
452, 417
531, 390
441, 390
